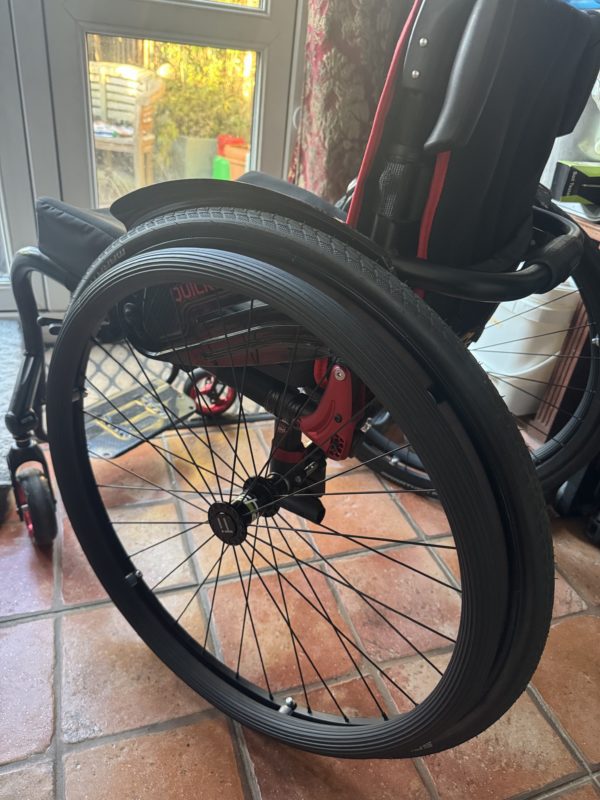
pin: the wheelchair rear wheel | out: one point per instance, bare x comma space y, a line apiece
557, 405
237, 551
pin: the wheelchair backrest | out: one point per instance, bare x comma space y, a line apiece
477, 92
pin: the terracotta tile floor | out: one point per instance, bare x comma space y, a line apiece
87, 712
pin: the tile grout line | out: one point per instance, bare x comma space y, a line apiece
555, 788
554, 722
162, 726
571, 584
395, 498
246, 769
59, 607
90, 605
419, 764
47, 757
59, 778
426, 777
557, 791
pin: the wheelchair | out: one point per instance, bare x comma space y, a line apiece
240, 362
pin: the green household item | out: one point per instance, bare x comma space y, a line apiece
221, 168
577, 182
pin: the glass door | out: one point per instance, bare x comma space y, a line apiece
152, 90
163, 110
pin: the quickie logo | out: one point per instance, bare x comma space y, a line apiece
186, 291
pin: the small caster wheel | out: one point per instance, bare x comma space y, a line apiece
210, 396
36, 506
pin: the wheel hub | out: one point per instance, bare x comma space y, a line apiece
229, 521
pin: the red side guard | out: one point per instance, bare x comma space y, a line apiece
331, 426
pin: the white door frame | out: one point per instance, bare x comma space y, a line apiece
16, 188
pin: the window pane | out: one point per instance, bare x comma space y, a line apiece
163, 110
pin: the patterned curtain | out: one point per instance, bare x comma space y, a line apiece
349, 46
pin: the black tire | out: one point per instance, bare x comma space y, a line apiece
575, 436
37, 506
378, 323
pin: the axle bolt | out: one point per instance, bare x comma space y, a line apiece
339, 374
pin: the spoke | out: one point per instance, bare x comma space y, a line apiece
198, 589
146, 480
140, 435
224, 547
122, 486
386, 555
337, 475
363, 597
277, 441
154, 522
185, 560
311, 662
175, 427
181, 420
345, 636
367, 491
287, 619
341, 641
248, 615
485, 347
528, 310
144, 440
226, 438
544, 355
405, 543
241, 396
199, 399
168, 539
370, 597
540, 383
558, 409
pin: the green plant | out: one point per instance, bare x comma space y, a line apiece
209, 91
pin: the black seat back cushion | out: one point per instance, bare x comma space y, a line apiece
547, 73
73, 237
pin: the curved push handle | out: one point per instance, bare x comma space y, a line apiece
546, 268
562, 254
475, 68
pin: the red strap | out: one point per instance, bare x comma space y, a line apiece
385, 102
435, 194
